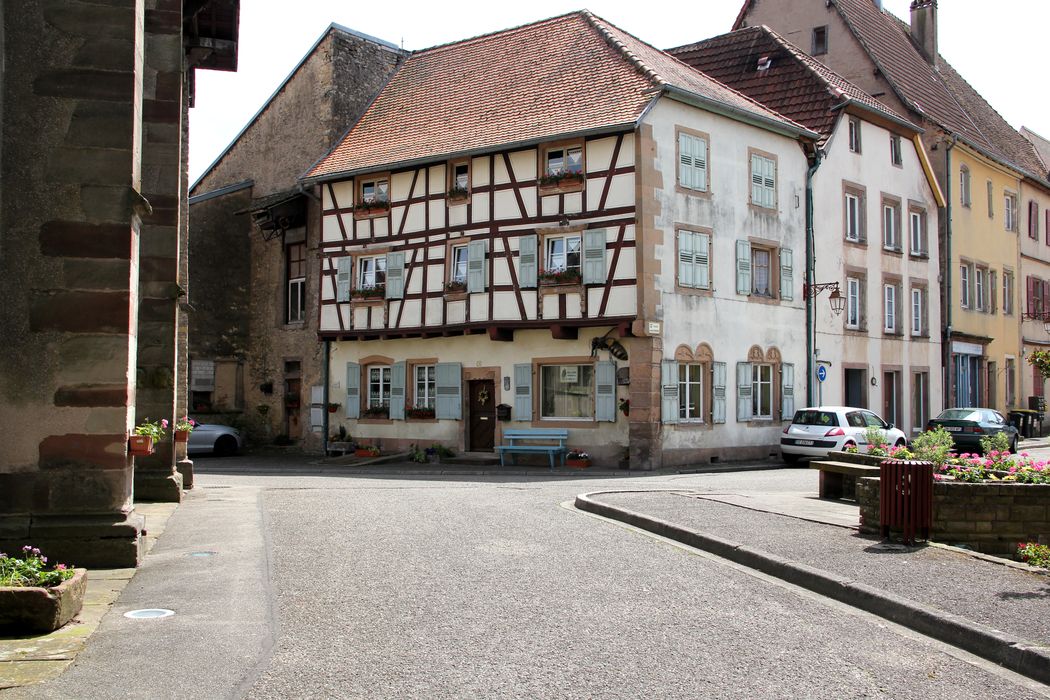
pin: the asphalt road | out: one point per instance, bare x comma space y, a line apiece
324, 586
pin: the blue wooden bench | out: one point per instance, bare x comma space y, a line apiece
515, 438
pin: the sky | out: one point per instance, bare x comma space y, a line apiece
999, 52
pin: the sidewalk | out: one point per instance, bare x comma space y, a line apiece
991, 607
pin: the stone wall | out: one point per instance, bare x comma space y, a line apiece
988, 517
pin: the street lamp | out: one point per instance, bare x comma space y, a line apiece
835, 298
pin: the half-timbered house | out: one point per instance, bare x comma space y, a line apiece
558, 225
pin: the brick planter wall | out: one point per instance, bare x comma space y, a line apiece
991, 518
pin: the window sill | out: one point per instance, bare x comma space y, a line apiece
456, 296
409, 419
562, 187
580, 423
295, 324
361, 214
560, 287
861, 243
897, 252
690, 192
692, 424
759, 209
459, 199
919, 256
375, 421
367, 301
694, 291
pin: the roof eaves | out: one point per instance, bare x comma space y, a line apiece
437, 157
852, 103
785, 127
228, 189
999, 158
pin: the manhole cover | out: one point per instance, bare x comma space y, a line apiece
149, 613
202, 554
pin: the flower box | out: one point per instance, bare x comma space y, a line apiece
560, 182
140, 445
420, 413
368, 293
559, 277
577, 463
366, 452
458, 195
34, 609
182, 435
375, 207
376, 412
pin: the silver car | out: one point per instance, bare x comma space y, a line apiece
220, 440
816, 431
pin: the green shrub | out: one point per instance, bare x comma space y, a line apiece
933, 446
876, 438
1034, 554
31, 570
995, 443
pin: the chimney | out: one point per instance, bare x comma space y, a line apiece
924, 28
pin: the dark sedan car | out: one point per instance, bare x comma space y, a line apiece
969, 425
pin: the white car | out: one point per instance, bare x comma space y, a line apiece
816, 431
220, 440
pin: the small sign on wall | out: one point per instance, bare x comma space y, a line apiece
623, 376
570, 374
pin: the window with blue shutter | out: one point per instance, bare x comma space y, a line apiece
605, 391
743, 392
397, 390
523, 392
787, 274
718, 392
353, 390
787, 391
763, 181
594, 257
528, 268
343, 267
743, 267
692, 162
395, 275
669, 391
477, 266
694, 259
448, 390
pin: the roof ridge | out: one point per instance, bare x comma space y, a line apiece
490, 35
599, 23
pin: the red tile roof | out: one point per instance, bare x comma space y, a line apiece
566, 75
793, 84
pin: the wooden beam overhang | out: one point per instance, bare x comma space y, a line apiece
504, 332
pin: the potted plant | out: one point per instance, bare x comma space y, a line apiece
333, 407
145, 435
370, 206
183, 427
457, 193
577, 459
35, 597
560, 178
455, 286
375, 291
421, 412
625, 406
366, 451
375, 412
560, 276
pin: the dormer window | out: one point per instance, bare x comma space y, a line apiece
764, 63
459, 181
375, 191
562, 161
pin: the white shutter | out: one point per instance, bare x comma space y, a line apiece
395, 275
476, 266
787, 274
448, 385
743, 392
669, 391
718, 392
743, 267
397, 391
527, 263
317, 408
692, 157
523, 392
787, 391
594, 257
701, 260
353, 390
685, 259
605, 391
343, 267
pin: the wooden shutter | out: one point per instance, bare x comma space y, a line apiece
685, 259
1044, 287
395, 275
1046, 225
787, 274
397, 390
1033, 219
787, 391
993, 291
528, 271
743, 392
605, 391
353, 390
476, 266
343, 267
594, 257
669, 391
523, 392
448, 385
718, 392
1030, 282
743, 267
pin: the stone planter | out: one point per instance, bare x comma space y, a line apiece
365, 453
577, 463
31, 609
866, 460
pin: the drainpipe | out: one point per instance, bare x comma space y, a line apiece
811, 329
946, 308
324, 397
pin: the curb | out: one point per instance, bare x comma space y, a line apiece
1004, 649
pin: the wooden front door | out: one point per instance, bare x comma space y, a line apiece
482, 437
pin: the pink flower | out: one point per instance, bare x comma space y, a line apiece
164, 423
60, 567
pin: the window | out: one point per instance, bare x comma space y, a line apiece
854, 135
295, 272
853, 303
762, 391
763, 181
920, 398
918, 311
895, 150
567, 392
425, 386
891, 217
458, 270
917, 232
979, 275
694, 264
1010, 211
691, 392
562, 253
854, 217
964, 286
760, 272
374, 191
889, 308
992, 292
567, 160
1033, 219
371, 272
991, 197
379, 386
459, 179
692, 161
820, 40
1008, 292
964, 186
1037, 296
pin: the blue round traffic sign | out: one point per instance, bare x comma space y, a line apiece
822, 372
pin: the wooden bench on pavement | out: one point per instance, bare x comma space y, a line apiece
529, 436
839, 479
